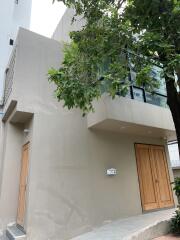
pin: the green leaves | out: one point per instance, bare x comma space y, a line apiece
73, 92
145, 78
176, 187
175, 222
113, 41
76, 84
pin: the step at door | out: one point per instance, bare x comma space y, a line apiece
13, 233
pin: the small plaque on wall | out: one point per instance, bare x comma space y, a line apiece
111, 172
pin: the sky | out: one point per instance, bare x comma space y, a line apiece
45, 16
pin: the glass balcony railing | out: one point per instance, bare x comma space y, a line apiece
158, 97
141, 95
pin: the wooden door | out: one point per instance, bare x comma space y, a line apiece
153, 176
23, 185
146, 176
164, 190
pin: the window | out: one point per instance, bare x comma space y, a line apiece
156, 99
138, 94
11, 42
159, 95
156, 74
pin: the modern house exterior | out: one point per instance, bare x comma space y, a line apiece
16, 13
62, 174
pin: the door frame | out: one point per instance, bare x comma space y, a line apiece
167, 171
22, 226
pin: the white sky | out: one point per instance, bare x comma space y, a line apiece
45, 16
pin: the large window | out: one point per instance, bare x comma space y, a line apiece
158, 97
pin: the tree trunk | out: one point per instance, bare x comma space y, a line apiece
173, 100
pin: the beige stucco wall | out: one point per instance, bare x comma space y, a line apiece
68, 177
10, 169
68, 190
14, 138
131, 111
66, 26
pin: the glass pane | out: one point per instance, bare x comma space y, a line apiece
156, 73
133, 76
129, 94
156, 99
138, 94
104, 86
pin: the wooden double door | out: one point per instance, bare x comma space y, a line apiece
153, 176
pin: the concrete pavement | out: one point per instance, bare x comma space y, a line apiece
142, 227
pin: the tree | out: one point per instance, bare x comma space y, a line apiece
118, 36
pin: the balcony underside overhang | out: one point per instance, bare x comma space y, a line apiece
21, 117
132, 117
15, 115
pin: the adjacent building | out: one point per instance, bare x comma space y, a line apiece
62, 174
174, 158
16, 13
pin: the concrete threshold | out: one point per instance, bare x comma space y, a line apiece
142, 227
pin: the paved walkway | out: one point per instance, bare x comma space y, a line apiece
145, 226
168, 237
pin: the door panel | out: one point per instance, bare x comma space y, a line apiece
163, 181
154, 179
146, 178
23, 184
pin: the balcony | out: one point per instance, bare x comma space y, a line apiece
131, 116
140, 112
